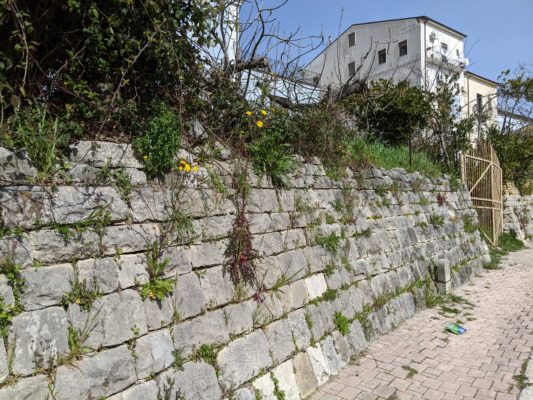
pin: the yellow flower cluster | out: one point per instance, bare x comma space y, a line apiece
185, 166
258, 123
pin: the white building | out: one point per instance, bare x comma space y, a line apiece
418, 49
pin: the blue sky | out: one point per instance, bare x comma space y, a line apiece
499, 32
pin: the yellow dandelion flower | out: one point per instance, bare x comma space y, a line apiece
187, 168
259, 124
78, 301
249, 113
180, 168
195, 168
183, 162
263, 112
146, 157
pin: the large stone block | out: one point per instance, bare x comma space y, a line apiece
132, 270
16, 249
178, 260
306, 379
318, 362
189, 298
4, 370
46, 286
129, 238
15, 167
286, 380
99, 154
299, 329
100, 273
153, 353
159, 313
239, 317
34, 388
6, 292
279, 337
50, 246
144, 391
39, 337
316, 286
243, 358
112, 320
208, 254
30, 207
208, 329
333, 360
217, 286
101, 375
196, 381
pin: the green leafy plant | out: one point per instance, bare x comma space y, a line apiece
436, 220
280, 394
179, 360
157, 286
160, 142
270, 152
331, 242
82, 293
342, 323
469, 224
207, 352
35, 130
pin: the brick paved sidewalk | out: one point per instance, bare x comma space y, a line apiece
421, 361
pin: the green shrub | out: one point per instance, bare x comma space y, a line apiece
341, 323
160, 140
509, 242
271, 154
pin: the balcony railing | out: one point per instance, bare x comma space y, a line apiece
446, 59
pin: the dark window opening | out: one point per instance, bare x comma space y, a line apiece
351, 39
479, 103
444, 48
351, 69
403, 48
382, 56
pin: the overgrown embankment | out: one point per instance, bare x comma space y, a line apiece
210, 283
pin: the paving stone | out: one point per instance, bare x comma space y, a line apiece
501, 297
105, 373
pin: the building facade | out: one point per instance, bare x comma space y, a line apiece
419, 49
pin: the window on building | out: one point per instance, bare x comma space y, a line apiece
351, 39
403, 48
479, 103
458, 52
351, 69
489, 103
382, 56
444, 48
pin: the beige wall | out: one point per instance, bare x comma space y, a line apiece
474, 86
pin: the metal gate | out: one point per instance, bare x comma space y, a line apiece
481, 171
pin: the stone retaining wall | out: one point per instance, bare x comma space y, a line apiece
518, 216
339, 262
